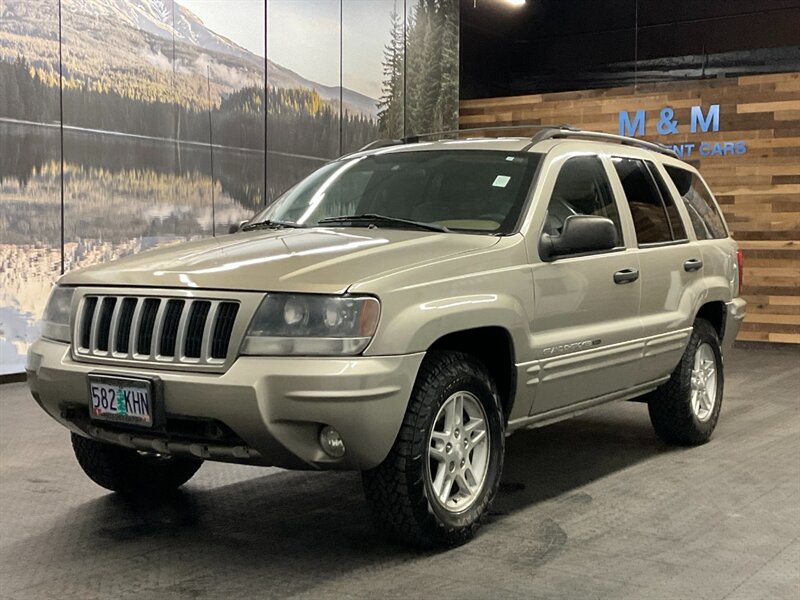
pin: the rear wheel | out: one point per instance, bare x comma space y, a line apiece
130, 472
436, 484
685, 410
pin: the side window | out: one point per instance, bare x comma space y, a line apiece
581, 188
703, 213
675, 221
647, 208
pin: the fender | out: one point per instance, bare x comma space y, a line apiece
417, 327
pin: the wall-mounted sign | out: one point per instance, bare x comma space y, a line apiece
699, 121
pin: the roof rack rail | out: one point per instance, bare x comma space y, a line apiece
545, 132
413, 139
380, 143
572, 133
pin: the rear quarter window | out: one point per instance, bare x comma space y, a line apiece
703, 213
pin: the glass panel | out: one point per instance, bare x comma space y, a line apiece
431, 66
30, 194
649, 216
675, 221
703, 213
130, 185
481, 191
303, 80
232, 101
581, 189
372, 71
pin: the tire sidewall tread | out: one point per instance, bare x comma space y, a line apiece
669, 406
398, 491
126, 471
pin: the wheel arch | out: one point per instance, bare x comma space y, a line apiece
494, 347
714, 312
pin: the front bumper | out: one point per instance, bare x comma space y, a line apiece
275, 407
735, 311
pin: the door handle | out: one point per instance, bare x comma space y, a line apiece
626, 276
693, 264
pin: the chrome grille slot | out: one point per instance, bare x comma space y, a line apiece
226, 315
87, 316
151, 329
144, 341
169, 330
123, 330
103, 332
194, 331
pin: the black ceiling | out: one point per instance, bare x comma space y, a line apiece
555, 45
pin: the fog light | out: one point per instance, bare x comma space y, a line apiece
331, 442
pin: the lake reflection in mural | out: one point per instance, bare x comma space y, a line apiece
122, 195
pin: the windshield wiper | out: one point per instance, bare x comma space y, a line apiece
373, 219
272, 225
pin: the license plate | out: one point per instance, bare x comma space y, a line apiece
121, 400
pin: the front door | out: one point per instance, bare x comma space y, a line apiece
586, 326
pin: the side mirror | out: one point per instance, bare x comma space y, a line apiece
235, 227
581, 234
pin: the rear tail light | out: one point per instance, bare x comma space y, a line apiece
740, 269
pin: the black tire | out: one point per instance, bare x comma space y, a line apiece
399, 490
130, 473
670, 405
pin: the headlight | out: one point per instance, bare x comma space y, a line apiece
55, 321
306, 324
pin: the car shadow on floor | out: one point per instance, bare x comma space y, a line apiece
297, 529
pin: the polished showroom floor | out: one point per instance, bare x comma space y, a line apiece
595, 507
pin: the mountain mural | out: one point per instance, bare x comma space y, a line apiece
171, 131
152, 50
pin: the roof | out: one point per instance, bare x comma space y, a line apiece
510, 144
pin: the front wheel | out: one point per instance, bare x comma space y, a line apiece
129, 472
436, 484
685, 410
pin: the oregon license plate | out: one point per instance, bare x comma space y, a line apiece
121, 399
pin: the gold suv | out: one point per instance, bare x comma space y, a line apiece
399, 312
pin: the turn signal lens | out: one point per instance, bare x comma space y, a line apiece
55, 321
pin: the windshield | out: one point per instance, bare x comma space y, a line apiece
461, 190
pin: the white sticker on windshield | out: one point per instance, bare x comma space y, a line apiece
501, 181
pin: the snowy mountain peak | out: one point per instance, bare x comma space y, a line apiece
163, 18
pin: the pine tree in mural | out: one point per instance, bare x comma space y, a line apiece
390, 105
447, 107
430, 63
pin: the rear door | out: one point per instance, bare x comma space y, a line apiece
713, 239
586, 327
671, 267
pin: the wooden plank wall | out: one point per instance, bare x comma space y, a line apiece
759, 191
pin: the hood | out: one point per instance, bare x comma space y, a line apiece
322, 260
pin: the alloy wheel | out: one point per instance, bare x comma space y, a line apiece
704, 382
458, 452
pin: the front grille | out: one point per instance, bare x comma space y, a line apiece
153, 329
